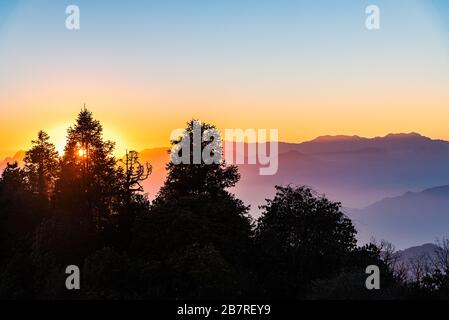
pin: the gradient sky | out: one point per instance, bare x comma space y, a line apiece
144, 68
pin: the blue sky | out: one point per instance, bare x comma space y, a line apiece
265, 64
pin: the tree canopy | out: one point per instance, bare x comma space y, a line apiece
195, 240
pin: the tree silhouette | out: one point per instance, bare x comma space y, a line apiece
95, 202
349, 281
41, 166
19, 216
132, 174
202, 178
89, 180
194, 208
303, 236
195, 240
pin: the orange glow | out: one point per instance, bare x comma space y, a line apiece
82, 153
371, 86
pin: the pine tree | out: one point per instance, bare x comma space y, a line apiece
89, 180
87, 198
41, 166
18, 217
197, 178
194, 209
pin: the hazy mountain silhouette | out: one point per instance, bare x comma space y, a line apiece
410, 257
18, 157
356, 171
412, 253
411, 219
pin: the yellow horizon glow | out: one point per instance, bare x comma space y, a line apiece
340, 80
137, 134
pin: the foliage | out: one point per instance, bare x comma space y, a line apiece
194, 241
304, 237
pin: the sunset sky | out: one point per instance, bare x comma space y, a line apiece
307, 68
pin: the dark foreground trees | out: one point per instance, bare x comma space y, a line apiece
304, 237
307, 249
197, 231
194, 241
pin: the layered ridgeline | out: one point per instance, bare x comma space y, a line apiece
18, 157
411, 219
357, 172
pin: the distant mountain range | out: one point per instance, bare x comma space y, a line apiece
18, 157
425, 254
358, 172
426, 250
411, 219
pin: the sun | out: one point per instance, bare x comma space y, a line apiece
82, 153
58, 135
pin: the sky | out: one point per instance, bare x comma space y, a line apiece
306, 68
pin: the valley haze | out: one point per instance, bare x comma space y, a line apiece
394, 187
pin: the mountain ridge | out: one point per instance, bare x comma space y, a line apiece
17, 157
409, 219
359, 172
